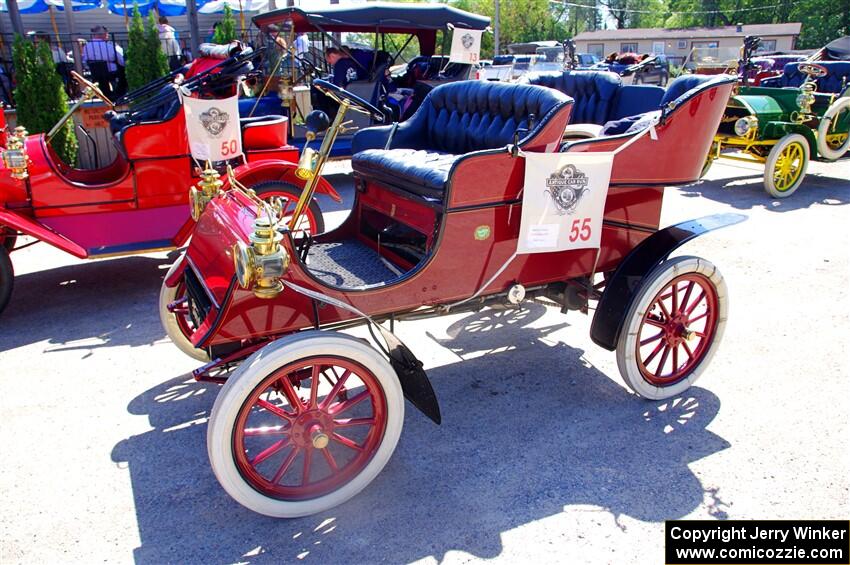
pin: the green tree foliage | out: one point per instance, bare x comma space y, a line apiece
823, 20
153, 45
226, 30
145, 58
135, 56
40, 96
521, 21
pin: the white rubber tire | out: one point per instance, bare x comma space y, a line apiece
770, 164
167, 295
652, 284
251, 373
824, 150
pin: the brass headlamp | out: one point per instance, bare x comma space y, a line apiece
260, 266
208, 187
15, 155
806, 99
307, 164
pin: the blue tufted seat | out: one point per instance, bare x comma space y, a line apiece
593, 92
454, 120
600, 97
677, 91
837, 78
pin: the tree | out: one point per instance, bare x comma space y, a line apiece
40, 96
153, 46
226, 30
145, 59
135, 56
521, 21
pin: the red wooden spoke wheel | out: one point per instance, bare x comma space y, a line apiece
676, 331
305, 423
286, 196
672, 328
175, 317
180, 309
296, 438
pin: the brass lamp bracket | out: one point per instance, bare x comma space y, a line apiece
15, 155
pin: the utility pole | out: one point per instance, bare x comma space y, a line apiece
68, 8
15, 16
496, 29
194, 32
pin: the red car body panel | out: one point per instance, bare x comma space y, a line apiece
459, 263
37, 230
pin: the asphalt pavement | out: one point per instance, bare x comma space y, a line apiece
543, 456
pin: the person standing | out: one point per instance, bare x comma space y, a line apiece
170, 45
105, 61
302, 44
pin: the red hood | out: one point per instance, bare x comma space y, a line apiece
227, 219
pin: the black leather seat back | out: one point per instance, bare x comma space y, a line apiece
468, 116
593, 91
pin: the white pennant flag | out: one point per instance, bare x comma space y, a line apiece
466, 46
563, 201
213, 128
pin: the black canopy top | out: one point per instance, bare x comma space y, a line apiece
839, 49
385, 17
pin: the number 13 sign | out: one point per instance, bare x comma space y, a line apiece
563, 201
213, 128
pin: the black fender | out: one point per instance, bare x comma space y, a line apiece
414, 382
620, 290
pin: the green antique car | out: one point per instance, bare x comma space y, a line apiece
783, 126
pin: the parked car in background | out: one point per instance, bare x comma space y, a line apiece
712, 60
586, 60
654, 69
638, 69
147, 198
787, 120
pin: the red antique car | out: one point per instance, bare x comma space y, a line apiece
140, 201
308, 416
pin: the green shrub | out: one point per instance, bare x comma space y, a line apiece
226, 30
40, 96
145, 58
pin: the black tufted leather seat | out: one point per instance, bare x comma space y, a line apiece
454, 120
593, 92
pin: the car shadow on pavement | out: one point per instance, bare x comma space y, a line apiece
747, 192
526, 432
57, 305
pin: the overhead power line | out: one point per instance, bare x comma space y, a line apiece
671, 12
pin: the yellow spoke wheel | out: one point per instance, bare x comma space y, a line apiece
836, 141
833, 141
786, 165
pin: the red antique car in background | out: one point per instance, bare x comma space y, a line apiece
140, 201
308, 416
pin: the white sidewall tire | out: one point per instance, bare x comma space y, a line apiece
167, 295
773, 156
252, 372
654, 282
824, 149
